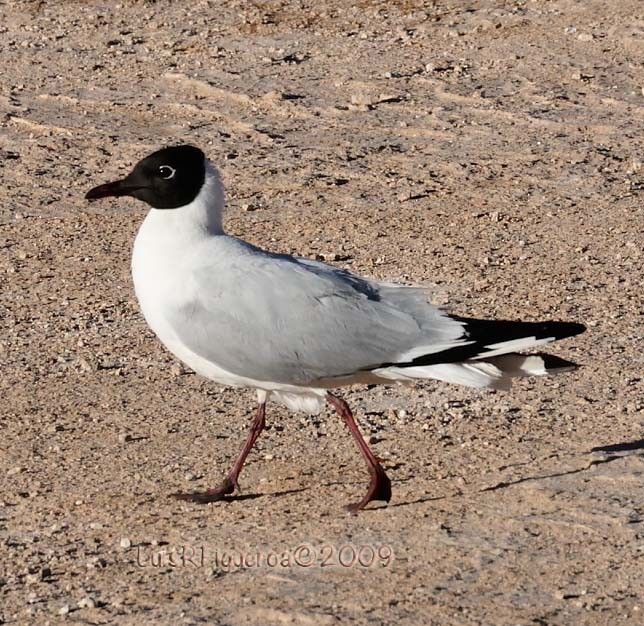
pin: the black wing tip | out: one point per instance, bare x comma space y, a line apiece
495, 331
560, 330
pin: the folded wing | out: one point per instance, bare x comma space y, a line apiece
288, 320
295, 321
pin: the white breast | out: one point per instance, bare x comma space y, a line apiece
162, 247
163, 242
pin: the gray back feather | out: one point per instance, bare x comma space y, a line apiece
290, 320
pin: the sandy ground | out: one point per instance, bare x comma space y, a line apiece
491, 150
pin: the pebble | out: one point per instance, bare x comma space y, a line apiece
84, 365
125, 543
328, 256
585, 37
86, 603
64, 610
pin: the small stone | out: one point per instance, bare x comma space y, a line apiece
361, 100
64, 610
84, 365
86, 603
125, 543
14, 471
585, 37
328, 256
249, 207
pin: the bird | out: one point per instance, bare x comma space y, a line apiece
293, 328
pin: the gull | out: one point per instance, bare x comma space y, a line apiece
294, 328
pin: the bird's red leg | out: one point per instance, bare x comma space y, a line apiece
380, 486
228, 484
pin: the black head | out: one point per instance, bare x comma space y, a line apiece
167, 179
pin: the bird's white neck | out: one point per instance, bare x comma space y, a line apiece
209, 203
202, 217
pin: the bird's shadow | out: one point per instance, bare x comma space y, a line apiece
373, 506
252, 496
612, 452
418, 501
624, 446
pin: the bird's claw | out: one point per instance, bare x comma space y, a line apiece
226, 488
379, 489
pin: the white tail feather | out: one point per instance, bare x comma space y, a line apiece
505, 347
495, 373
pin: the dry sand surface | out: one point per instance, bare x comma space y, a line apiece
491, 150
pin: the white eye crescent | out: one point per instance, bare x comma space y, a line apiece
167, 172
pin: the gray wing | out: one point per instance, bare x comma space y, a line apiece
289, 320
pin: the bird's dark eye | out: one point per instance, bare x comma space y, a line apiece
167, 172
